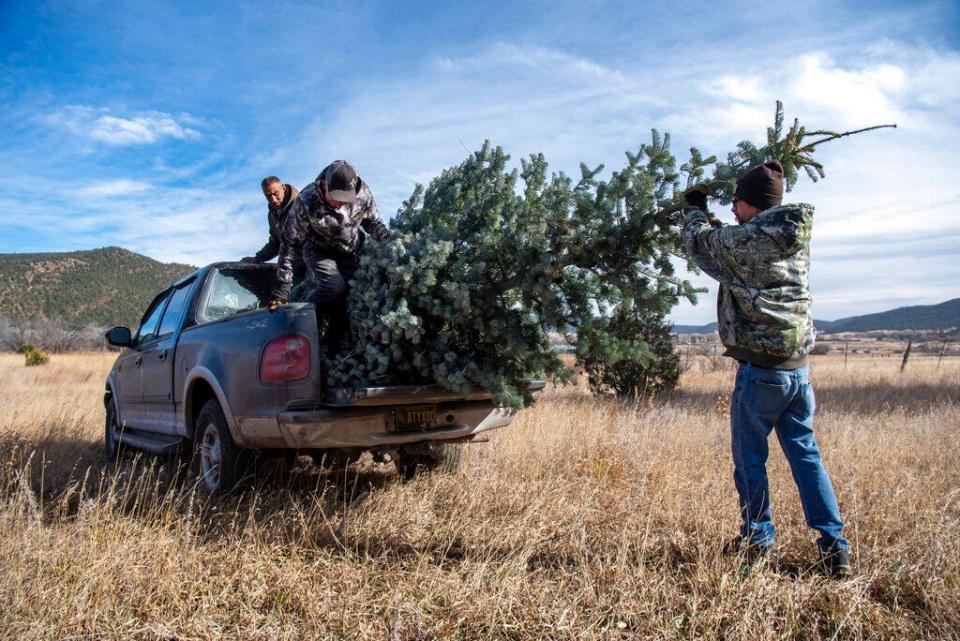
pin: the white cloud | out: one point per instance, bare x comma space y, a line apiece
931, 75
187, 225
915, 88
528, 99
879, 185
112, 188
514, 62
847, 97
139, 128
200, 228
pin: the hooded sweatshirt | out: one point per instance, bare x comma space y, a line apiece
312, 221
763, 306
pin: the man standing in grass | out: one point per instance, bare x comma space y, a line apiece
765, 324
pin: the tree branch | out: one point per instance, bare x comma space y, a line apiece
709, 187
835, 136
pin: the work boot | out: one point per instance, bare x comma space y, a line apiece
835, 563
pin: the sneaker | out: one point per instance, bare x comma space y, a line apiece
835, 563
739, 546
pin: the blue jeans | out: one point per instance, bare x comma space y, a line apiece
764, 400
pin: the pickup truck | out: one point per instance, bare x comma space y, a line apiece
213, 372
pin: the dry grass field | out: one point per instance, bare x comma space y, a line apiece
586, 519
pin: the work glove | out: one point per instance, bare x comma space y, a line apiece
249, 259
279, 297
696, 197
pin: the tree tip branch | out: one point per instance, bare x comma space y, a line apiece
843, 135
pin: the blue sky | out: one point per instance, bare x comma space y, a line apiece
149, 125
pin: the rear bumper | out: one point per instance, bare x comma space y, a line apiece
368, 427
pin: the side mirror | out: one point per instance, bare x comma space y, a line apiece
119, 336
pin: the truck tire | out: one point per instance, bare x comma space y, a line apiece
451, 456
217, 461
112, 447
430, 456
334, 461
272, 465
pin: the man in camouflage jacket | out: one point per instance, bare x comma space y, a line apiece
325, 224
765, 323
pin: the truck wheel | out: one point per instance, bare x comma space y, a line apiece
407, 467
112, 448
334, 461
449, 457
216, 458
268, 464
443, 457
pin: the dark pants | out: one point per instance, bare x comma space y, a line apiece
333, 270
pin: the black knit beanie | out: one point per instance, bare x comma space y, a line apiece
762, 186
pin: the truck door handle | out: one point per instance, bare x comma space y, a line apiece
162, 355
139, 360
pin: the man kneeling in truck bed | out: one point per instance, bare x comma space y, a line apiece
324, 224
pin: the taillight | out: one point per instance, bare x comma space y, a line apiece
285, 359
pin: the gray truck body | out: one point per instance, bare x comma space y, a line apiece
211, 331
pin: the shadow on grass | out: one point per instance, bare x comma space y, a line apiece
870, 399
58, 479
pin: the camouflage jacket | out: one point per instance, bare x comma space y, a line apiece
276, 216
763, 307
311, 220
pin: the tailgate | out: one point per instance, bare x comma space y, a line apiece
407, 395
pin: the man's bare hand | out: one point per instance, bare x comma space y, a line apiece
274, 304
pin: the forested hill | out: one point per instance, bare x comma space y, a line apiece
941, 316
105, 287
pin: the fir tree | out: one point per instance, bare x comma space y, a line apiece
484, 262
635, 378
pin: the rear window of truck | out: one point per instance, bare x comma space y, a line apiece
234, 291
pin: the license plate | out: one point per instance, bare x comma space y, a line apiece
415, 418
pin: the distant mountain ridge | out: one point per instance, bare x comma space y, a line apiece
709, 328
916, 317
105, 287
940, 316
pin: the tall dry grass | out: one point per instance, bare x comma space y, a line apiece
587, 519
